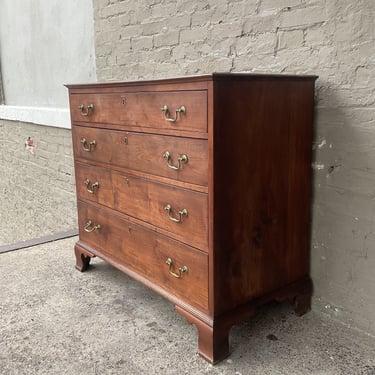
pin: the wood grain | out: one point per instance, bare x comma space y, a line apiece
144, 109
146, 199
145, 252
246, 187
144, 152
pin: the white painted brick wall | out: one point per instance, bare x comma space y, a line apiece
37, 191
333, 39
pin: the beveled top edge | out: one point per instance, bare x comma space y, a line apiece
217, 76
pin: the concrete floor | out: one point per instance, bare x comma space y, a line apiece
56, 320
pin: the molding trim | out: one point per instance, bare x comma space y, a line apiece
57, 117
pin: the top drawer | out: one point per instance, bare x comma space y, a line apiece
177, 110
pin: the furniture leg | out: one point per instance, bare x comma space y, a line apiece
299, 297
213, 341
302, 303
82, 258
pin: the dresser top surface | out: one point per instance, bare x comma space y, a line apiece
201, 78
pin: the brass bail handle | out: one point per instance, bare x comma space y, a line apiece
182, 159
165, 110
89, 227
181, 270
91, 187
88, 146
86, 112
181, 213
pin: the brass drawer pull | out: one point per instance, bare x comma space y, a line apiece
165, 110
181, 270
86, 112
181, 159
91, 187
88, 146
89, 227
181, 213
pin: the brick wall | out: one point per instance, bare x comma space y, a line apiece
37, 191
331, 38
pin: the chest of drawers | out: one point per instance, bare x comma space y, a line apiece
199, 187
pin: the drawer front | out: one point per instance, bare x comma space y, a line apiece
182, 159
181, 212
178, 110
147, 253
94, 184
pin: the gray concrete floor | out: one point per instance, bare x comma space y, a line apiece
56, 320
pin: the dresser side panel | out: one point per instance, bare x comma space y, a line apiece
262, 143
300, 180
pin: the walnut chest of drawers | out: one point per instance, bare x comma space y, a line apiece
199, 188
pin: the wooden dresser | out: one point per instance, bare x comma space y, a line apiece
199, 188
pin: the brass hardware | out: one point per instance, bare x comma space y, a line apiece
181, 159
181, 270
86, 112
165, 110
125, 140
91, 188
127, 181
123, 100
90, 228
129, 229
181, 213
88, 146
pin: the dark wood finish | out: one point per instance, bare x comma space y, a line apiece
83, 257
144, 152
262, 175
145, 252
246, 186
145, 199
143, 109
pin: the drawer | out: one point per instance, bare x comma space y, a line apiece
182, 212
178, 110
147, 253
94, 184
182, 159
